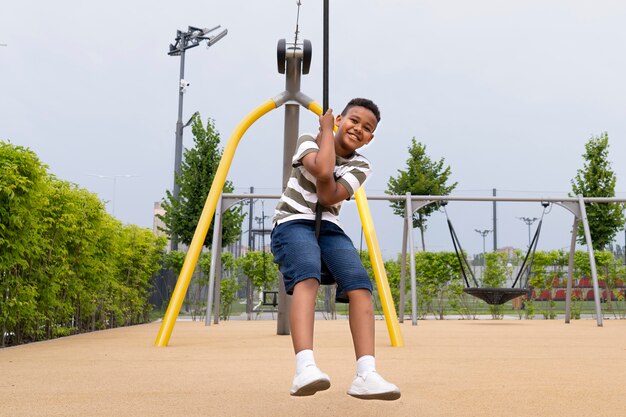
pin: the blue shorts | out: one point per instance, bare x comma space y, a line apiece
299, 256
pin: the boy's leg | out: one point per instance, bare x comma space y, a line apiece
361, 319
302, 314
308, 379
367, 384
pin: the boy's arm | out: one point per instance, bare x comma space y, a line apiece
322, 164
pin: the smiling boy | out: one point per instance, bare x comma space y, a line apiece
327, 170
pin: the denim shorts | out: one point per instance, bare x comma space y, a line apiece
299, 255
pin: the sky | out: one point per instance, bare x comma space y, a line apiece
507, 93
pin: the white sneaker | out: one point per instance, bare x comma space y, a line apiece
372, 386
309, 381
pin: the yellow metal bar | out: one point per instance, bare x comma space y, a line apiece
315, 108
386, 300
182, 284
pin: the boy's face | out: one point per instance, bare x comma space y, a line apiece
354, 130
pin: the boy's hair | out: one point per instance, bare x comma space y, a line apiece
363, 102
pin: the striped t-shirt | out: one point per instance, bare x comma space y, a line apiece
299, 198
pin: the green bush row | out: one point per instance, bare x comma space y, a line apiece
66, 266
439, 281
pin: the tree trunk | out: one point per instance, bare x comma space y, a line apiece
422, 234
4, 332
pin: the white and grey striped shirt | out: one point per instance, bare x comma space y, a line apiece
299, 198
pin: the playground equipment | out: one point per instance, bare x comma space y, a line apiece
496, 296
293, 60
575, 205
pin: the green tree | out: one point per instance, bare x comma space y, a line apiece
437, 274
198, 169
66, 265
138, 259
542, 279
260, 268
494, 276
422, 176
22, 177
597, 179
228, 281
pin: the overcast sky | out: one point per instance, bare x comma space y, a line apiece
508, 92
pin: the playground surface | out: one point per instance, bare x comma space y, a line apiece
242, 368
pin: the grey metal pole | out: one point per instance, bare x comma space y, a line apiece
293, 73
495, 224
184, 41
249, 287
592, 259
217, 226
570, 272
179, 124
218, 268
325, 61
405, 231
409, 221
178, 149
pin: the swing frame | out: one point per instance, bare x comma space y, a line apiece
575, 205
497, 295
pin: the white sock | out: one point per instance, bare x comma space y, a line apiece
304, 358
365, 364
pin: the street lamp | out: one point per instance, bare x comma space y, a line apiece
184, 41
484, 234
114, 178
529, 222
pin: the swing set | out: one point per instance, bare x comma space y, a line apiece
495, 296
491, 295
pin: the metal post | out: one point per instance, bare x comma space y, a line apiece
495, 224
325, 62
249, 287
405, 231
484, 234
218, 268
184, 41
292, 124
178, 151
570, 271
217, 226
409, 223
325, 104
592, 259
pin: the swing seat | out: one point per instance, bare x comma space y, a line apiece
326, 276
496, 296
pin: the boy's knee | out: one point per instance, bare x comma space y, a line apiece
309, 284
360, 295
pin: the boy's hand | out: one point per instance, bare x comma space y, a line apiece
321, 164
327, 121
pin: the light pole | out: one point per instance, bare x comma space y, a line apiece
184, 41
529, 222
484, 234
114, 178
261, 223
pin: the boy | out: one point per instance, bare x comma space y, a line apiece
327, 170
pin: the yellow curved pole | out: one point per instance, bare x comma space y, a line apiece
386, 300
182, 284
